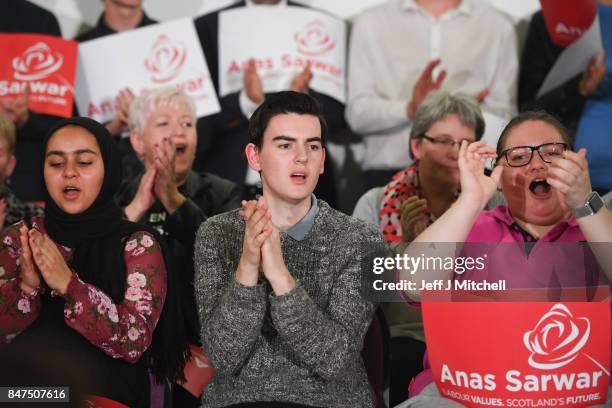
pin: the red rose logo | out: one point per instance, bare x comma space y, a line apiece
314, 39
37, 62
165, 59
556, 339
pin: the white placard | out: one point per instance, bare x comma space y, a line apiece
158, 55
282, 40
574, 59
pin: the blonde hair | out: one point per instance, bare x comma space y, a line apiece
147, 102
7, 131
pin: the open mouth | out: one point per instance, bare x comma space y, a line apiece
299, 178
180, 149
540, 188
71, 191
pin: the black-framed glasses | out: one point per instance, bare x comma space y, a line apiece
521, 155
444, 141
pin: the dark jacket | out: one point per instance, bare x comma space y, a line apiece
21, 16
207, 195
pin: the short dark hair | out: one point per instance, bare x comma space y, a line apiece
282, 103
528, 116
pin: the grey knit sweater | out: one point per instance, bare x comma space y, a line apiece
302, 347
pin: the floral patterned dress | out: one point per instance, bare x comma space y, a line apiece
122, 331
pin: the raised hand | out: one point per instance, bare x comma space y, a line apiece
122, 107
424, 85
593, 74
301, 81
165, 187
413, 218
49, 261
257, 217
252, 83
475, 185
273, 263
570, 175
144, 198
122, 104
16, 107
29, 274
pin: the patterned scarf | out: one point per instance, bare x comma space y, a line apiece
404, 184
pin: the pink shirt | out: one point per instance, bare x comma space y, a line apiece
549, 264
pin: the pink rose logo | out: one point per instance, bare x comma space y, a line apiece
313, 39
165, 59
556, 339
37, 62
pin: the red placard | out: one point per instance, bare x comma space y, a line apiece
198, 372
46, 64
567, 20
520, 354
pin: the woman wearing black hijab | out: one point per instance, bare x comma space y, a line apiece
85, 284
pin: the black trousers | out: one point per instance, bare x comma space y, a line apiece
406, 363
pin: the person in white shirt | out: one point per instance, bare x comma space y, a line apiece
403, 49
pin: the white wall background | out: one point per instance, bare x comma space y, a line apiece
73, 14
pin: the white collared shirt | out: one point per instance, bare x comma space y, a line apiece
390, 46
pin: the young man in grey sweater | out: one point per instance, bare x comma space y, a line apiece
278, 282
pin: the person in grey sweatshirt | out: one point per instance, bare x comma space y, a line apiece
278, 282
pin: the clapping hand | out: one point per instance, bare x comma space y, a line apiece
413, 218
29, 274
252, 83
592, 75
475, 185
16, 107
49, 261
165, 187
424, 85
144, 198
257, 217
570, 175
301, 81
122, 108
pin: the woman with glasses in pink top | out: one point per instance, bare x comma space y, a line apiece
549, 200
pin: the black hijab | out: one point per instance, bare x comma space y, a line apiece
97, 236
